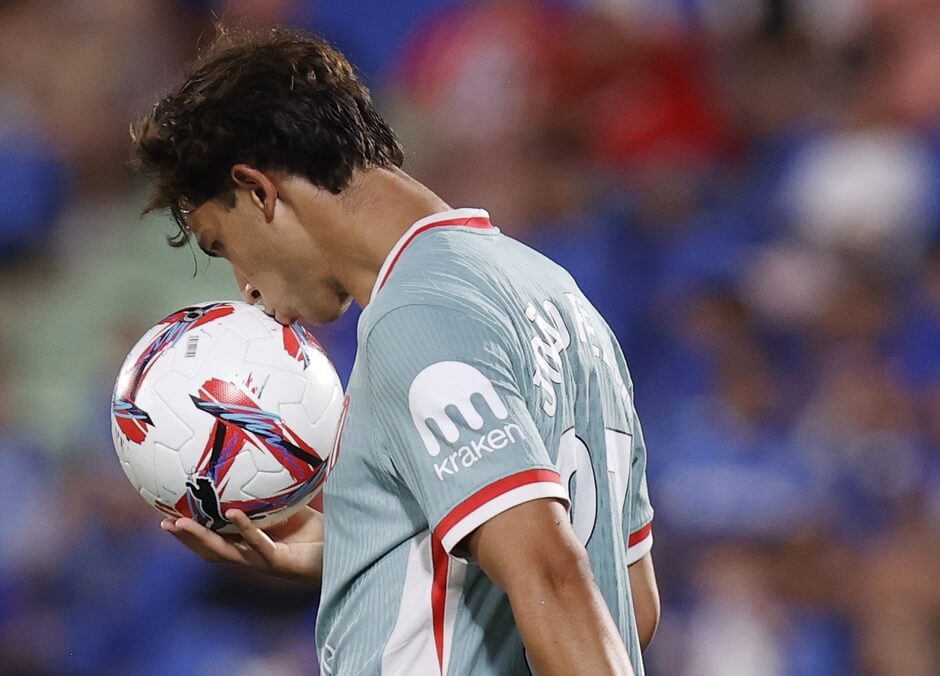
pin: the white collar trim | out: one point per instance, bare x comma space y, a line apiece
449, 215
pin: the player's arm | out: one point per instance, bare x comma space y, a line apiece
645, 593
532, 553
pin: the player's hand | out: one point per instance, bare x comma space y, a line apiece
293, 549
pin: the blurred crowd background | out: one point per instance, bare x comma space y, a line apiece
747, 189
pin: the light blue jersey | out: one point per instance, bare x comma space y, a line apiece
484, 379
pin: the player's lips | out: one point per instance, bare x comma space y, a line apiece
272, 313
286, 318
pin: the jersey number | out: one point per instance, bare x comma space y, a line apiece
576, 468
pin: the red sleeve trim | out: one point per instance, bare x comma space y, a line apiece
493, 490
638, 536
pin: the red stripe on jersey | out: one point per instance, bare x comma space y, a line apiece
440, 565
640, 535
317, 502
487, 493
338, 437
478, 222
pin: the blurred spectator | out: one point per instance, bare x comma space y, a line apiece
830, 191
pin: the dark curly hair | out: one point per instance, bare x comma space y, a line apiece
276, 100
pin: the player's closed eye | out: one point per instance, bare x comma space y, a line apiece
214, 250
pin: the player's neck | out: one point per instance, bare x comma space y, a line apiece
364, 224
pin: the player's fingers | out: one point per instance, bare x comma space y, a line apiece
254, 536
191, 539
196, 546
210, 546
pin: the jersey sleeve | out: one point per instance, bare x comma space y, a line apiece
638, 523
457, 431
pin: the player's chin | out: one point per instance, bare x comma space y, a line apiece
324, 313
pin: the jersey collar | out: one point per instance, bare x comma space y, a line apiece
455, 218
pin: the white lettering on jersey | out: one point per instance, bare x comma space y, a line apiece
598, 343
449, 383
584, 327
547, 349
469, 454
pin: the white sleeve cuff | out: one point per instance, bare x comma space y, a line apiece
496, 498
639, 544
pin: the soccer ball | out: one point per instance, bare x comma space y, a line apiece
218, 406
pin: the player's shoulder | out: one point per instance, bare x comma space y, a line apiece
421, 315
423, 312
436, 284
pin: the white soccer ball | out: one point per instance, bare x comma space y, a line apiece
218, 406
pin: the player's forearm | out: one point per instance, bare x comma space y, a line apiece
566, 627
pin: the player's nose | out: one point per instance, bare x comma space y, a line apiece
251, 294
249, 291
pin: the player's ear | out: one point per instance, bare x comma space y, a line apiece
261, 188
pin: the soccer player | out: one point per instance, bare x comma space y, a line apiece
488, 512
